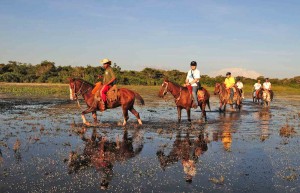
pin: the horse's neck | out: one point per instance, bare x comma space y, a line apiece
223, 88
174, 89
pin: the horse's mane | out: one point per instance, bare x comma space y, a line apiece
86, 82
175, 84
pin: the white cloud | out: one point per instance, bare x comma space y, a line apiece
236, 72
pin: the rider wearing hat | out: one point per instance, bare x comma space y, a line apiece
109, 79
193, 79
229, 83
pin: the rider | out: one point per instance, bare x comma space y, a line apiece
109, 80
193, 79
256, 87
267, 87
240, 86
229, 83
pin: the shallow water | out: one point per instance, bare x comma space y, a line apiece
45, 148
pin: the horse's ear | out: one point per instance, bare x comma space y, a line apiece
70, 79
166, 79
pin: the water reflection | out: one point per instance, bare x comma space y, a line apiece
225, 130
187, 150
101, 153
264, 116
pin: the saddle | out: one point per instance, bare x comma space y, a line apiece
112, 94
200, 95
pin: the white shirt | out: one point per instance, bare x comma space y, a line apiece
196, 74
267, 85
257, 86
240, 85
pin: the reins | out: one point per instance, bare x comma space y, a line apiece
82, 93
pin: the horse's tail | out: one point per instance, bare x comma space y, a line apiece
208, 104
139, 98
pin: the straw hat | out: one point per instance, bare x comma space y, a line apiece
105, 61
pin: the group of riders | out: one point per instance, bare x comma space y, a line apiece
192, 82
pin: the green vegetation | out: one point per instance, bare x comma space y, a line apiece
47, 72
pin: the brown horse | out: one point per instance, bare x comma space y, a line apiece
183, 98
125, 99
224, 97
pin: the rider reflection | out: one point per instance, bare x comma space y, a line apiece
102, 154
186, 150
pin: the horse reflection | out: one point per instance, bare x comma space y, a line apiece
224, 133
187, 150
102, 154
264, 117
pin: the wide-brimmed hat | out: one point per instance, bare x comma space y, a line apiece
105, 61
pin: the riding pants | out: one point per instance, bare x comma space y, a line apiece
194, 92
231, 93
103, 92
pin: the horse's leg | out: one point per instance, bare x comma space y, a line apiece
220, 107
125, 114
203, 111
188, 110
94, 114
91, 109
133, 111
179, 113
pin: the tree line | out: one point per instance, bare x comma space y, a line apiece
48, 72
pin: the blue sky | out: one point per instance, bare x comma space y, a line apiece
256, 35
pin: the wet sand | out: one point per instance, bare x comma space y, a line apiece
45, 148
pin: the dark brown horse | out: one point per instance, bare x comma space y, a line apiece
258, 96
224, 97
125, 99
183, 98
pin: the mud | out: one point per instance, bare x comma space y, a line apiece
44, 147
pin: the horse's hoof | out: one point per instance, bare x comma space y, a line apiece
87, 124
140, 122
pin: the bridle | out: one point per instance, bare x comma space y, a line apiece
79, 91
166, 88
166, 91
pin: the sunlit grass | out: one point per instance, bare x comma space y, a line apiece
62, 90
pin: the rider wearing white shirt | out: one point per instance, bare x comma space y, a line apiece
257, 85
192, 78
240, 86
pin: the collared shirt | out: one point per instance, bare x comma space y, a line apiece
257, 86
267, 85
108, 75
229, 82
193, 73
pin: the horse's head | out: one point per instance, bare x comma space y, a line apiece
217, 88
74, 86
164, 89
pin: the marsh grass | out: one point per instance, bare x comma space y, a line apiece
62, 90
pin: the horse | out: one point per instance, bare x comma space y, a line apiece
263, 97
224, 97
257, 96
183, 98
125, 99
